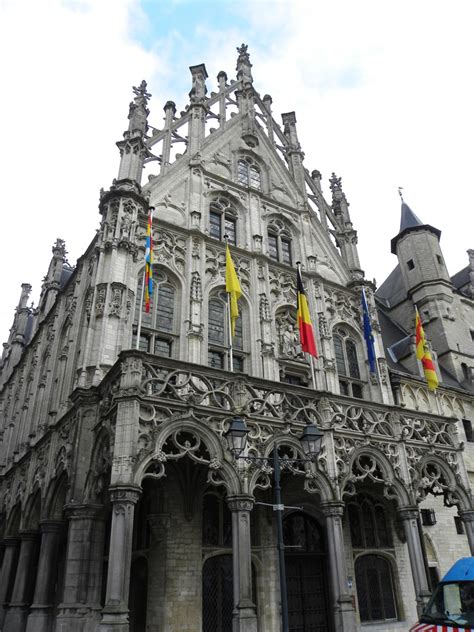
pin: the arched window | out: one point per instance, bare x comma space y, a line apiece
375, 593
248, 173
159, 326
347, 363
218, 336
279, 242
368, 525
223, 220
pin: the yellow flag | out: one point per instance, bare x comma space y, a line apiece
232, 286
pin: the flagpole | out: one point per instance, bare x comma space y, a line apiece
140, 312
313, 375
229, 323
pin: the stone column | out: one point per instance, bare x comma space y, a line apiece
8, 573
409, 517
467, 516
245, 615
17, 613
344, 613
115, 612
80, 607
41, 612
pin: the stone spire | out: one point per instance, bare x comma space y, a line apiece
19, 334
52, 280
133, 150
198, 107
346, 235
244, 72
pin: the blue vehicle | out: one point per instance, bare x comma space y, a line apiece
451, 606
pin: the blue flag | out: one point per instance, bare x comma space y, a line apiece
368, 335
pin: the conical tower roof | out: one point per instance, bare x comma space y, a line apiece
409, 222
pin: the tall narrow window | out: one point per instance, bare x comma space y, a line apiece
223, 220
248, 173
279, 242
347, 364
218, 335
159, 326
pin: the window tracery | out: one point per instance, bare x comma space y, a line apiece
223, 220
248, 173
158, 333
347, 363
218, 336
279, 242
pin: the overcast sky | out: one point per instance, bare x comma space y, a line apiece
382, 90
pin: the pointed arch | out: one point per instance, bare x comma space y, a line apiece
13, 520
56, 496
188, 436
433, 475
368, 463
32, 512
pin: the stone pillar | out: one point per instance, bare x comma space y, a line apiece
409, 517
80, 607
245, 615
467, 516
41, 612
17, 613
344, 613
115, 612
8, 573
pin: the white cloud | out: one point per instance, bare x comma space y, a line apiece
381, 90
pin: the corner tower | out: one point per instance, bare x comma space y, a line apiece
428, 285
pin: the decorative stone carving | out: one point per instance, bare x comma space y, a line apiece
101, 294
196, 289
264, 308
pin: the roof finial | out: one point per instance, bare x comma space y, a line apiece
244, 66
400, 189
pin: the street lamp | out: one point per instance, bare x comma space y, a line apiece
310, 440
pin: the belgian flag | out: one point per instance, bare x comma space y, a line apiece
305, 326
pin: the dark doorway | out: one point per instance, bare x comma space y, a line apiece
138, 594
217, 594
306, 575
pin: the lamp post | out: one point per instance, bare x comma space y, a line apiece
310, 440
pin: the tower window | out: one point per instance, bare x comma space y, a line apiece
439, 259
248, 173
410, 264
222, 220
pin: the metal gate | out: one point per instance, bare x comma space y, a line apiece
307, 579
217, 594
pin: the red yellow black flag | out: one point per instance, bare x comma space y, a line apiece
304, 319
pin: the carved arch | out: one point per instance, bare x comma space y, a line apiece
316, 481
434, 475
56, 495
13, 520
190, 437
98, 477
32, 511
369, 464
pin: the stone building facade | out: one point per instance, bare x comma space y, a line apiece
123, 507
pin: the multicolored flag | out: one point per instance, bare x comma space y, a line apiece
232, 286
368, 335
304, 319
149, 260
423, 354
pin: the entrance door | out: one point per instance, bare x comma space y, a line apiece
307, 579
